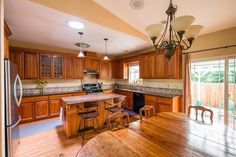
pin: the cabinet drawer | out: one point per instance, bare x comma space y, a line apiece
35, 99
79, 94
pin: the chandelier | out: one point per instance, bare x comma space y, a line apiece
181, 32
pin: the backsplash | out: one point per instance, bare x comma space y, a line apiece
151, 89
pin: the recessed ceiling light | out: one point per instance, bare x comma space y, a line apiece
76, 25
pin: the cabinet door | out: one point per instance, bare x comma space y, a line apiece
114, 69
152, 101
17, 57
160, 65
105, 70
55, 107
147, 66
45, 66
27, 112
163, 107
31, 67
58, 70
70, 67
79, 68
41, 110
92, 64
174, 65
121, 69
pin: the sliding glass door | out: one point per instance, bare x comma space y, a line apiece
213, 85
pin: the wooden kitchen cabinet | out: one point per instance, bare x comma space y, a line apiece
54, 107
58, 68
147, 66
27, 112
17, 57
79, 74
31, 65
121, 69
160, 65
7, 34
70, 64
45, 66
105, 70
128, 100
151, 100
173, 66
92, 63
41, 110
168, 104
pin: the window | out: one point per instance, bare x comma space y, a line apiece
134, 73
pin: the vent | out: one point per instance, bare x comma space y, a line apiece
136, 4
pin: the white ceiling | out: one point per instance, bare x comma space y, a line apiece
214, 15
35, 23
38, 24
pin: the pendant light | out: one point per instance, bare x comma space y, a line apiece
81, 53
106, 56
180, 30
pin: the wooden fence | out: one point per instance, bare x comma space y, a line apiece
211, 94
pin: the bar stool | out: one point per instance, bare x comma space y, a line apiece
115, 107
88, 112
147, 110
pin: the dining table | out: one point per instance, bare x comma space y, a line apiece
168, 134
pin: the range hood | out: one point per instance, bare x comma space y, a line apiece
91, 72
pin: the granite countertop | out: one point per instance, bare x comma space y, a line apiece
160, 94
90, 98
50, 93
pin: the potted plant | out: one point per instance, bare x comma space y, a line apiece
41, 85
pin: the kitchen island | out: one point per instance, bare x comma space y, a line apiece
70, 105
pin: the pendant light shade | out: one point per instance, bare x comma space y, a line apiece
81, 54
106, 56
182, 23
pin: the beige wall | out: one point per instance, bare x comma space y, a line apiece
212, 40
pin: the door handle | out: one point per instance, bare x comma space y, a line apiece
18, 121
18, 101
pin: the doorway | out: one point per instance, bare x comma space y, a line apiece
213, 85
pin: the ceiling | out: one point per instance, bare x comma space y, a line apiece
45, 22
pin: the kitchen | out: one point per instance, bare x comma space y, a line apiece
61, 62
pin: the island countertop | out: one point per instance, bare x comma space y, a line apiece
90, 98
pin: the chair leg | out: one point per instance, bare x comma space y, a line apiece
97, 125
79, 126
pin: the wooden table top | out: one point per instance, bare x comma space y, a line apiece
90, 98
166, 135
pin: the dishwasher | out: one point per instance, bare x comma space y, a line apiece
138, 101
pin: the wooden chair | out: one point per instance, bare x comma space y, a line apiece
146, 111
203, 109
118, 121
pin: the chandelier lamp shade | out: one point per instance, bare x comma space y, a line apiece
106, 56
177, 32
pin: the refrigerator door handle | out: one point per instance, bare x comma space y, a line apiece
18, 101
18, 121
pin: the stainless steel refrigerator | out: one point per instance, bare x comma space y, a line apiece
13, 96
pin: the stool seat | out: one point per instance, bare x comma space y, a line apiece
88, 115
113, 109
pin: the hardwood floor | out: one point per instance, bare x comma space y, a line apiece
48, 144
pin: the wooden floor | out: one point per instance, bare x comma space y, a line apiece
48, 144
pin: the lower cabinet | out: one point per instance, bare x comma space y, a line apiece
162, 104
27, 112
42, 107
41, 110
128, 100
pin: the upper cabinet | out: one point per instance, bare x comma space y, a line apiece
45, 66
92, 63
70, 63
121, 69
17, 57
7, 34
147, 66
79, 64
31, 65
105, 69
160, 65
58, 69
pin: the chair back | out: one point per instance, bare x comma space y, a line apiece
118, 121
147, 111
203, 109
88, 107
